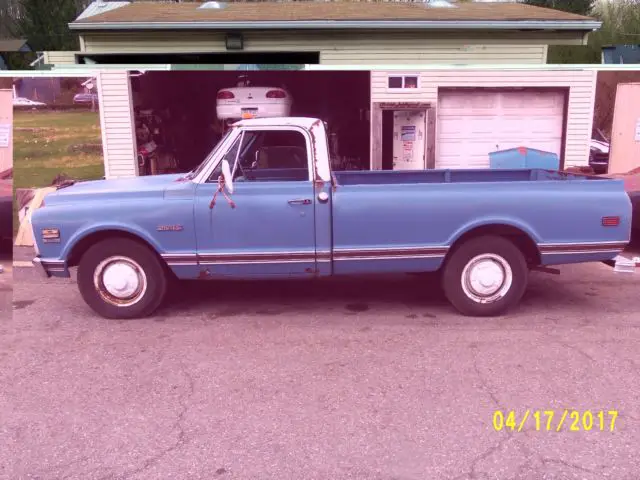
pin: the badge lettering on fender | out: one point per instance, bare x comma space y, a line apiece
170, 228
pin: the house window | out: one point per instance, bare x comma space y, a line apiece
402, 81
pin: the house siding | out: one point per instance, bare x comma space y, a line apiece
60, 58
6, 117
117, 124
379, 47
581, 85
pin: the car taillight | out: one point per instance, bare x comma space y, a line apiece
610, 221
225, 95
276, 94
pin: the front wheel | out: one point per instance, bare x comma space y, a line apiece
120, 278
485, 276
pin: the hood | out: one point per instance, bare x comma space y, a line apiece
134, 187
602, 147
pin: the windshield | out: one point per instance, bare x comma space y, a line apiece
195, 172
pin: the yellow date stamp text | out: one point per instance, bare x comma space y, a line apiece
555, 420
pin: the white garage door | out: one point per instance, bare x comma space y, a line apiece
473, 123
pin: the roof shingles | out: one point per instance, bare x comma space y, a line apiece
143, 12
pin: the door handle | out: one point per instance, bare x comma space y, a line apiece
300, 201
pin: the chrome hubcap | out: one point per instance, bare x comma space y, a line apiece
487, 278
120, 281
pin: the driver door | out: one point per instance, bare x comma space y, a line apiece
271, 230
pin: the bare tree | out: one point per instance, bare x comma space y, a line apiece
620, 23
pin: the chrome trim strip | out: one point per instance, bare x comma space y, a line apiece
590, 247
257, 254
577, 252
383, 249
368, 253
257, 262
390, 257
564, 244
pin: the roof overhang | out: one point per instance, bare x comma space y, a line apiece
573, 25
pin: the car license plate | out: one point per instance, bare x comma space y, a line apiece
249, 113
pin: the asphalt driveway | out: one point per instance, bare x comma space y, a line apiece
351, 379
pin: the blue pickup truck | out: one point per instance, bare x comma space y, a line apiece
266, 204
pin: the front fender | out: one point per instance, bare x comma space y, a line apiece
84, 232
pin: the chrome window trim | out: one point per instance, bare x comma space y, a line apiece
215, 161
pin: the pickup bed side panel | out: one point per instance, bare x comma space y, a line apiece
410, 227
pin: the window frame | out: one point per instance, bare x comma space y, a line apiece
205, 175
403, 76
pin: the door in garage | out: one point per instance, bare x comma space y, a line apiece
474, 122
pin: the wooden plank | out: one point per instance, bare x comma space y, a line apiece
25, 232
431, 138
376, 137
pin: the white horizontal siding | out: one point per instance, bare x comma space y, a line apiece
581, 84
438, 54
118, 129
59, 58
380, 47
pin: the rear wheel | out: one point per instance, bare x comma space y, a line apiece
120, 278
485, 276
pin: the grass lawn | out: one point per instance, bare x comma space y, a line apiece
46, 144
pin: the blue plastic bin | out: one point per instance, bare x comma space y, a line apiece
523, 157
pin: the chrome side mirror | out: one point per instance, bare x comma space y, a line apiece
227, 176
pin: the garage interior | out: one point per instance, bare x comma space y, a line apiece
224, 58
178, 108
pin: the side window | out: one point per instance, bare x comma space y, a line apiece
230, 157
272, 156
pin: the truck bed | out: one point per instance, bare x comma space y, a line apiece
456, 176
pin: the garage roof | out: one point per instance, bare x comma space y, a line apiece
334, 15
12, 44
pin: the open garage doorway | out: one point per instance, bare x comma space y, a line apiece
176, 111
196, 59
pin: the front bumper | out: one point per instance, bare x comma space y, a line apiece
37, 263
50, 268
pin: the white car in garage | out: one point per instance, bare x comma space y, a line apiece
243, 102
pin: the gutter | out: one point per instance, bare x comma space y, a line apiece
347, 24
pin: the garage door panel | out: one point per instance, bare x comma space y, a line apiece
463, 103
471, 124
461, 127
533, 127
548, 101
477, 153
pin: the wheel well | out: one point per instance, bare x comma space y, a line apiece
520, 239
80, 248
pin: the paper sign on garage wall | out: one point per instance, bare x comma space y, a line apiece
408, 133
5, 134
